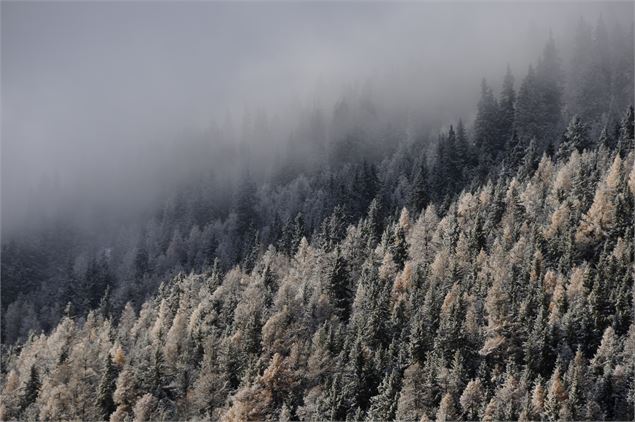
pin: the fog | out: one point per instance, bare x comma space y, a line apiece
98, 98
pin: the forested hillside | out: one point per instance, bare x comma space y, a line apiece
516, 302
341, 161
486, 274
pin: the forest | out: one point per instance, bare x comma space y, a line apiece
484, 273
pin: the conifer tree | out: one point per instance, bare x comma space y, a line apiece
487, 135
106, 389
528, 107
32, 388
384, 405
556, 396
471, 399
575, 138
500, 300
410, 401
420, 192
338, 286
626, 141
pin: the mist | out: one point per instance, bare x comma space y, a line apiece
109, 106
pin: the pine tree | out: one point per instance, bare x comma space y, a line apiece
556, 396
399, 245
141, 263
106, 389
577, 380
626, 141
144, 409
410, 402
533, 270
372, 225
293, 234
447, 410
453, 166
244, 201
356, 389
420, 192
500, 322
338, 286
486, 127
384, 405
528, 124
464, 156
32, 389
600, 220
471, 399
575, 138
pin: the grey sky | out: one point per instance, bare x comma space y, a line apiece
91, 89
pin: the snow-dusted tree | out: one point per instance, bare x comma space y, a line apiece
447, 409
556, 398
575, 138
601, 218
472, 399
410, 403
106, 389
338, 287
145, 408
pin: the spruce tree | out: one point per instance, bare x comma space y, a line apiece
528, 107
31, 389
106, 389
420, 191
486, 127
383, 406
575, 138
338, 286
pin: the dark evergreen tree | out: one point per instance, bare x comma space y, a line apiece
399, 247
31, 389
244, 202
106, 388
528, 124
575, 138
384, 405
338, 287
487, 136
512, 270
420, 192
626, 141
141, 263
464, 155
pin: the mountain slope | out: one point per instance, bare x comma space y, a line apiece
516, 302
